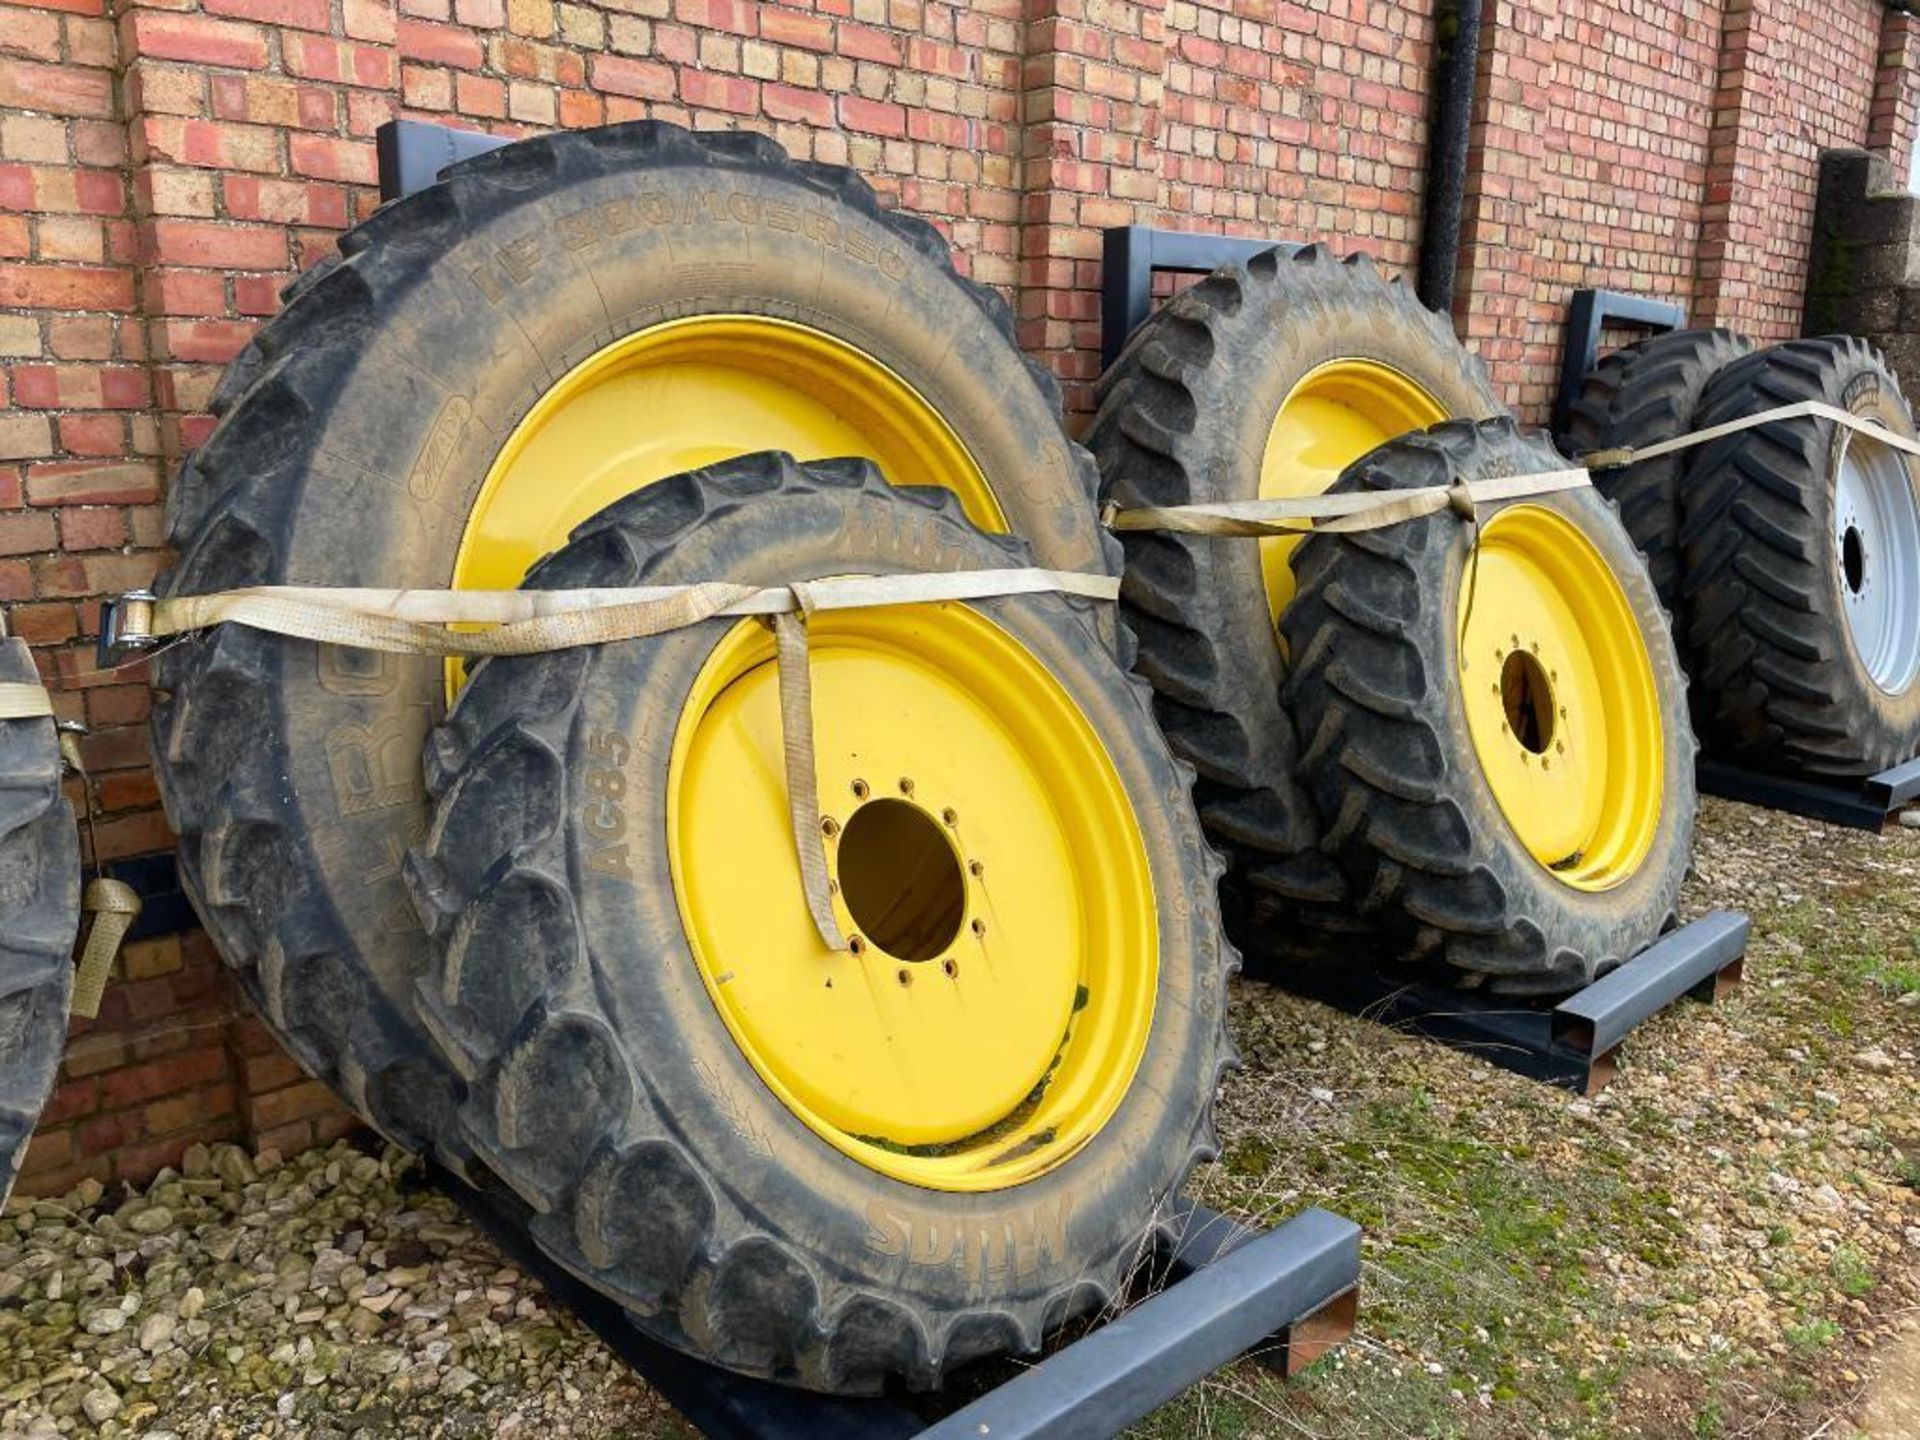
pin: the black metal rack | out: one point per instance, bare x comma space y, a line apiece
1286, 1295
1131, 253
1859, 804
412, 153
1589, 313
1571, 1043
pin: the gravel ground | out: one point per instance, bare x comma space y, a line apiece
1725, 1242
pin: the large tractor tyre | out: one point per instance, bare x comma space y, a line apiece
1802, 581
1639, 396
487, 363
1498, 744
39, 916
833, 1169
1266, 379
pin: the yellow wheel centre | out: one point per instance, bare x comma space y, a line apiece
1336, 413
1560, 698
987, 868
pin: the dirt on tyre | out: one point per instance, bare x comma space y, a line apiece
487, 363
39, 916
1024, 1039
1638, 396
1802, 579
1496, 733
1266, 379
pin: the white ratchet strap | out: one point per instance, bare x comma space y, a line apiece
1344, 513
1799, 410
527, 622
19, 701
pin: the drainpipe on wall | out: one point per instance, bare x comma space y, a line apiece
1456, 63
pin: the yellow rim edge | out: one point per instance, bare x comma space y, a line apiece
687, 393
1560, 698
1008, 1047
1336, 413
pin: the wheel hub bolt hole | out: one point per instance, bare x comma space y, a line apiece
1853, 559
860, 790
952, 967
1527, 697
901, 880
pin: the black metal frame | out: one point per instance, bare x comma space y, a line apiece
1588, 315
1859, 804
412, 153
1571, 1044
1131, 253
1286, 1295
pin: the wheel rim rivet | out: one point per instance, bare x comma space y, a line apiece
950, 816
906, 785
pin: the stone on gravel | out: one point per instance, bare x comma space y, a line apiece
101, 1405
107, 1320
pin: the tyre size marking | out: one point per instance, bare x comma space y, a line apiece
376, 766
354, 674
443, 443
884, 529
1017, 1245
603, 814
511, 265
732, 1109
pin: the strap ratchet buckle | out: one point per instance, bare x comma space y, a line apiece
126, 625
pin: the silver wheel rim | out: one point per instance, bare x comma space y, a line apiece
1876, 537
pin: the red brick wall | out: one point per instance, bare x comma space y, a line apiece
1589, 165
166, 169
1796, 77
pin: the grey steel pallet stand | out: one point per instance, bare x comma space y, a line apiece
1860, 804
1287, 1295
1571, 1043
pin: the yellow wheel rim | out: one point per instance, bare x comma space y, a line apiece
688, 393
1560, 698
1334, 415
987, 865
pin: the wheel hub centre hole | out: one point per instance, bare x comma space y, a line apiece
1527, 696
1853, 559
901, 879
